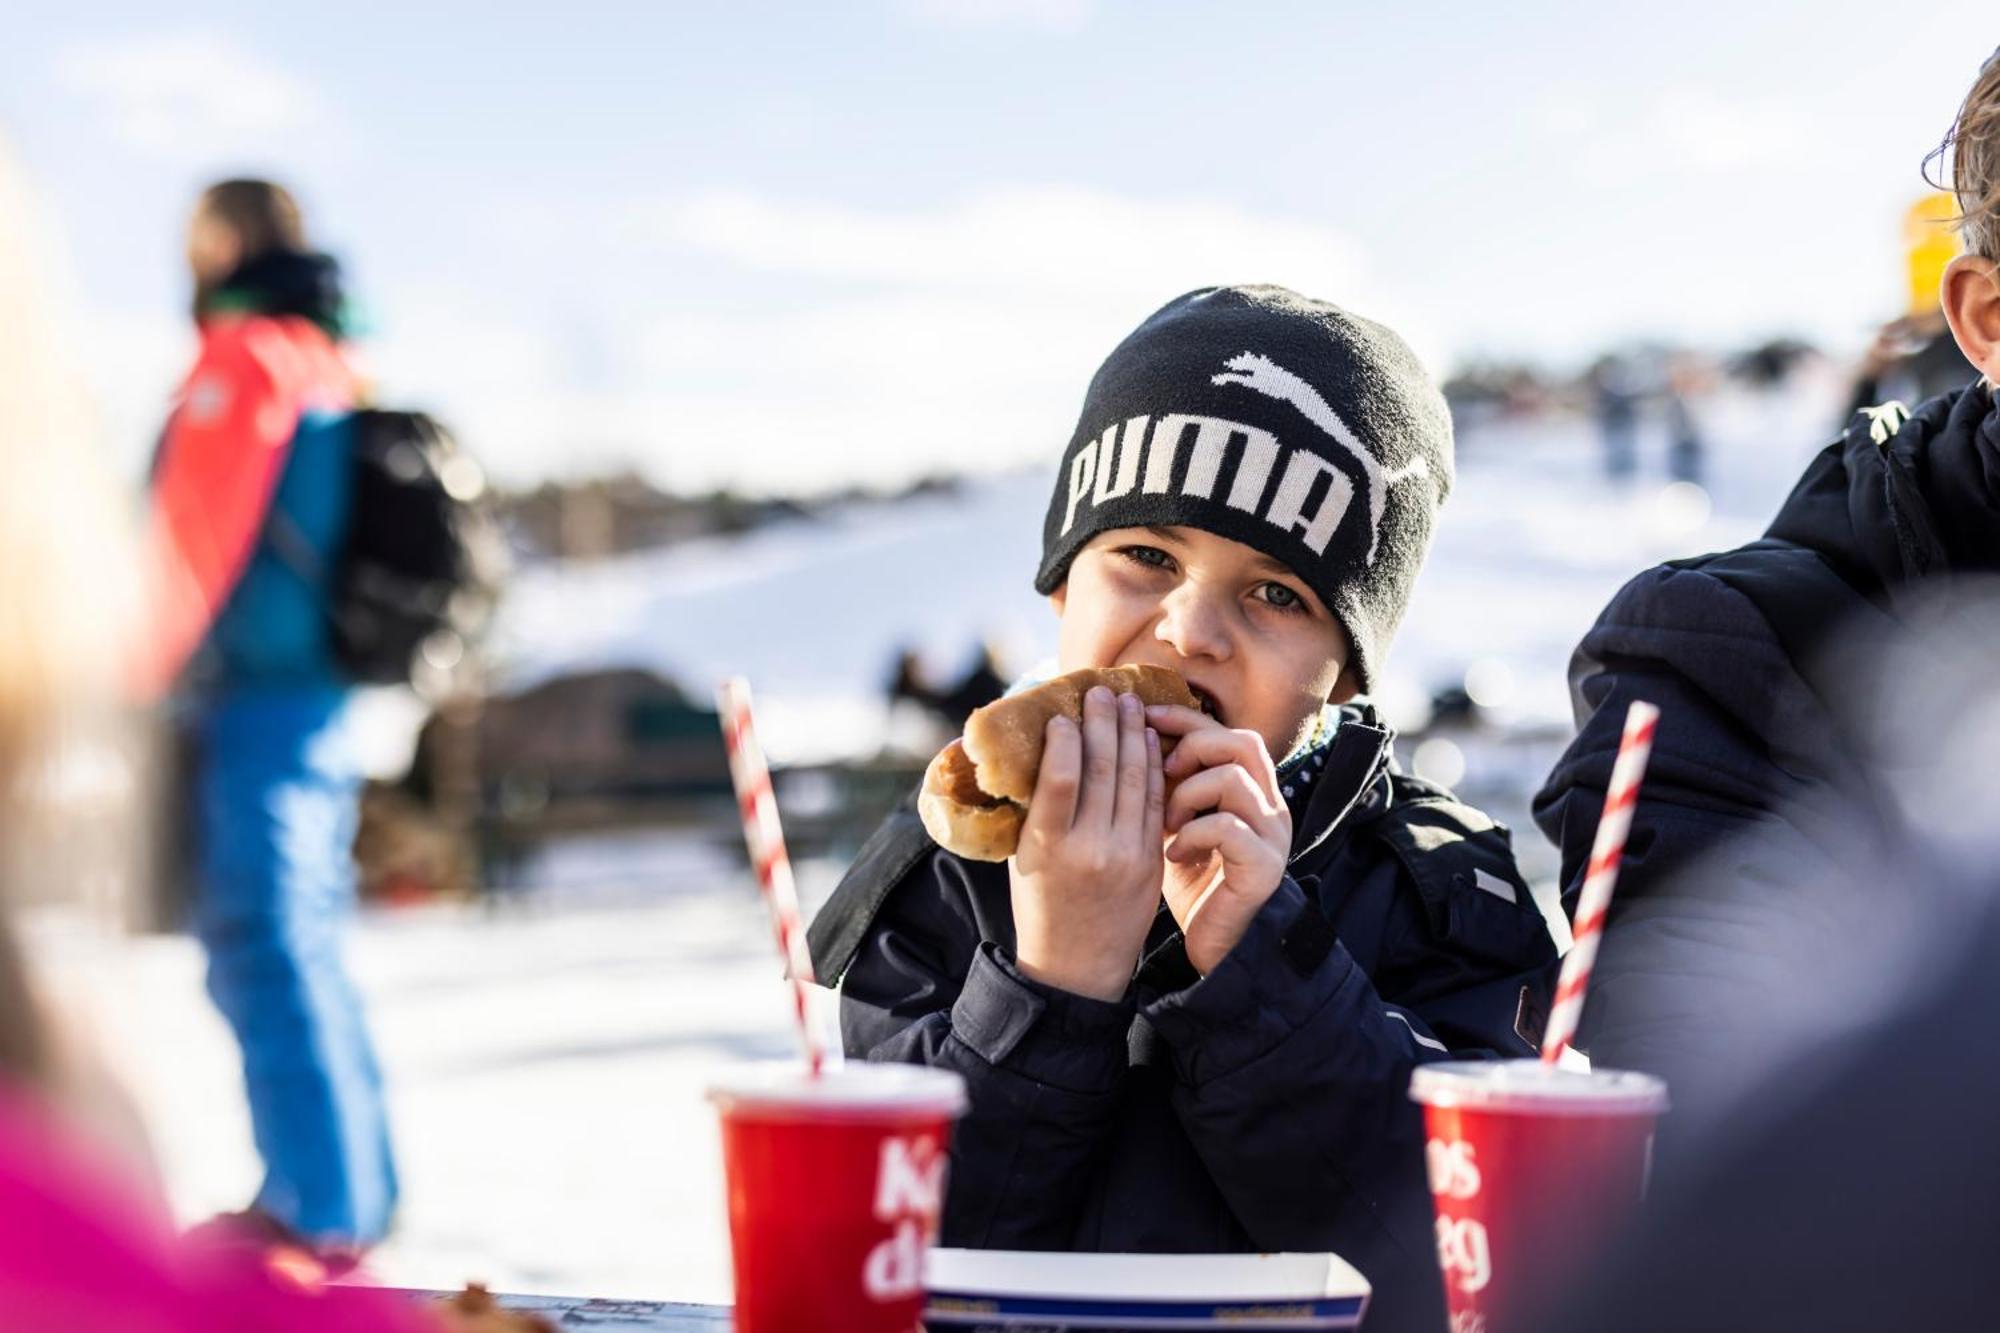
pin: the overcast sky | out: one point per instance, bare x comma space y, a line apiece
791, 246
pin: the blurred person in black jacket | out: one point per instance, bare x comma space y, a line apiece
1744, 651
1835, 1167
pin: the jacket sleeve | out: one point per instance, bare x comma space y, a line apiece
933, 983
1741, 739
1293, 1063
219, 464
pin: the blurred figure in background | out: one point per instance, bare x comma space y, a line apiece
951, 705
1687, 450
250, 497
89, 1247
67, 605
907, 681
1914, 357
982, 683
913, 725
1742, 651
1912, 360
1617, 392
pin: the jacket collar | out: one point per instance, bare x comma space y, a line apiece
285, 282
1904, 496
1346, 778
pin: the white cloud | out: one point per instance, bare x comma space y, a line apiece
1038, 15
824, 394
191, 96
1682, 130
1702, 128
1053, 239
874, 389
976, 328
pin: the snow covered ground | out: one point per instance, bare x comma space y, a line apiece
547, 1059
546, 1065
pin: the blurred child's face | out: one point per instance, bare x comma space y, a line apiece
1252, 640
213, 247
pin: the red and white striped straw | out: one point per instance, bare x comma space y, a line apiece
761, 830
1612, 827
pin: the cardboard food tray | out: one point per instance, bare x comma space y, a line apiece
1015, 1290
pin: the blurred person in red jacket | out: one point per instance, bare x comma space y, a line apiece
250, 501
88, 1244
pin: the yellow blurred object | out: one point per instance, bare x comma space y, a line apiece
1931, 243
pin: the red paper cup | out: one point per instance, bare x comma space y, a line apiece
1531, 1165
835, 1185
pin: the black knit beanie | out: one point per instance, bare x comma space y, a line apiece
1277, 421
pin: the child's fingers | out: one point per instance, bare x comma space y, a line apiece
1174, 720
1156, 792
1221, 832
1231, 789
1129, 809
1052, 808
1217, 746
1096, 800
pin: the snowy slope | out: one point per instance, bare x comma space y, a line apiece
813, 611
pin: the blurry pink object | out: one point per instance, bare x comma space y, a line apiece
85, 1248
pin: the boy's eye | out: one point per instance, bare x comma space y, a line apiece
1282, 597
1150, 556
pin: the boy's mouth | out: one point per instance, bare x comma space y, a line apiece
1206, 701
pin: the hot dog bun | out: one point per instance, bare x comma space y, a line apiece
960, 817
976, 791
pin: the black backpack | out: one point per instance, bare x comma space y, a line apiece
417, 572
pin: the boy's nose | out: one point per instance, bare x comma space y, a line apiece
1193, 628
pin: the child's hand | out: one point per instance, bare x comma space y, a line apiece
1232, 832
1086, 875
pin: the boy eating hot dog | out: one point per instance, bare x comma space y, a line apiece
1187, 1021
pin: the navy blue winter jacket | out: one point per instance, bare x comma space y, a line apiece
1747, 653
1262, 1107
